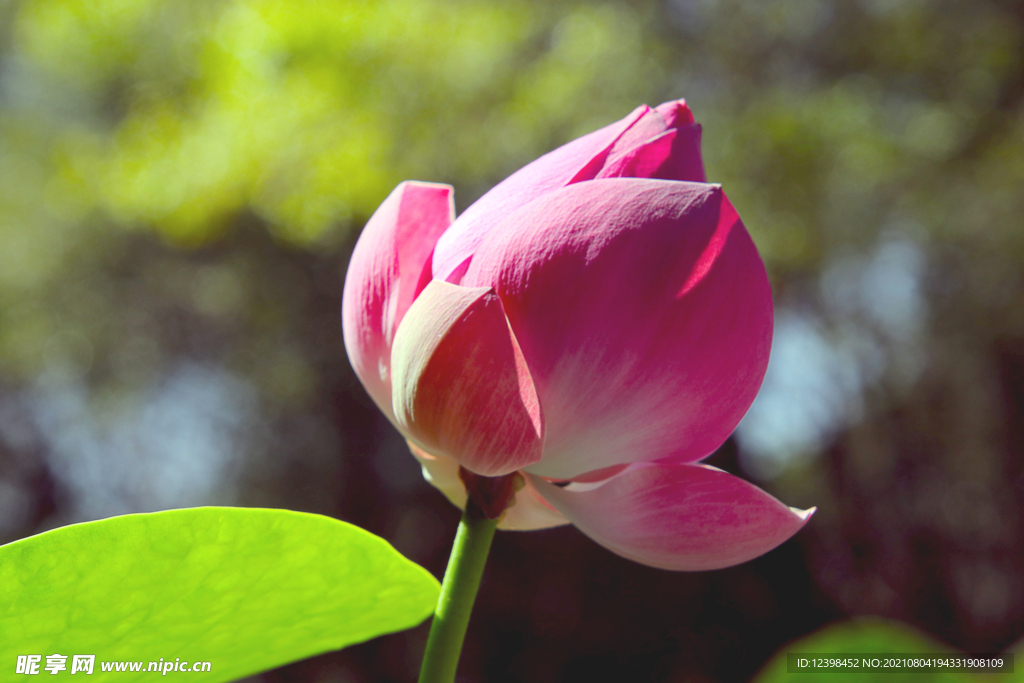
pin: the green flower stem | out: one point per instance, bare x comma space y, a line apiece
458, 591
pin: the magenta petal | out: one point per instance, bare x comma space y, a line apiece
460, 386
650, 125
673, 155
386, 269
580, 159
675, 113
677, 516
643, 312
685, 161
642, 161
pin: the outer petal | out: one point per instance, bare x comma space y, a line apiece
529, 512
643, 312
386, 269
677, 516
461, 387
581, 159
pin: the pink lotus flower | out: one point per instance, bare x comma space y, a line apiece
600, 321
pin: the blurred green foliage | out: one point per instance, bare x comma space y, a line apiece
306, 113
180, 117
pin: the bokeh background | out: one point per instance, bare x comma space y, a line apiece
182, 181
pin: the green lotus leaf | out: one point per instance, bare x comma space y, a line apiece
243, 589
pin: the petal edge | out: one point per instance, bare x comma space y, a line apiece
386, 268
461, 387
676, 516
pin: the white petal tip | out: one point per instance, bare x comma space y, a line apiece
804, 515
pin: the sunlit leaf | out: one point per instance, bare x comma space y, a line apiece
243, 589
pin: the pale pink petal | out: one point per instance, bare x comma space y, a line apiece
460, 386
677, 516
643, 312
387, 267
442, 473
581, 159
529, 511
595, 476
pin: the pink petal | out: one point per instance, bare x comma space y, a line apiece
460, 386
675, 113
685, 162
387, 266
677, 516
580, 159
577, 161
643, 312
529, 512
642, 161
673, 155
650, 125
